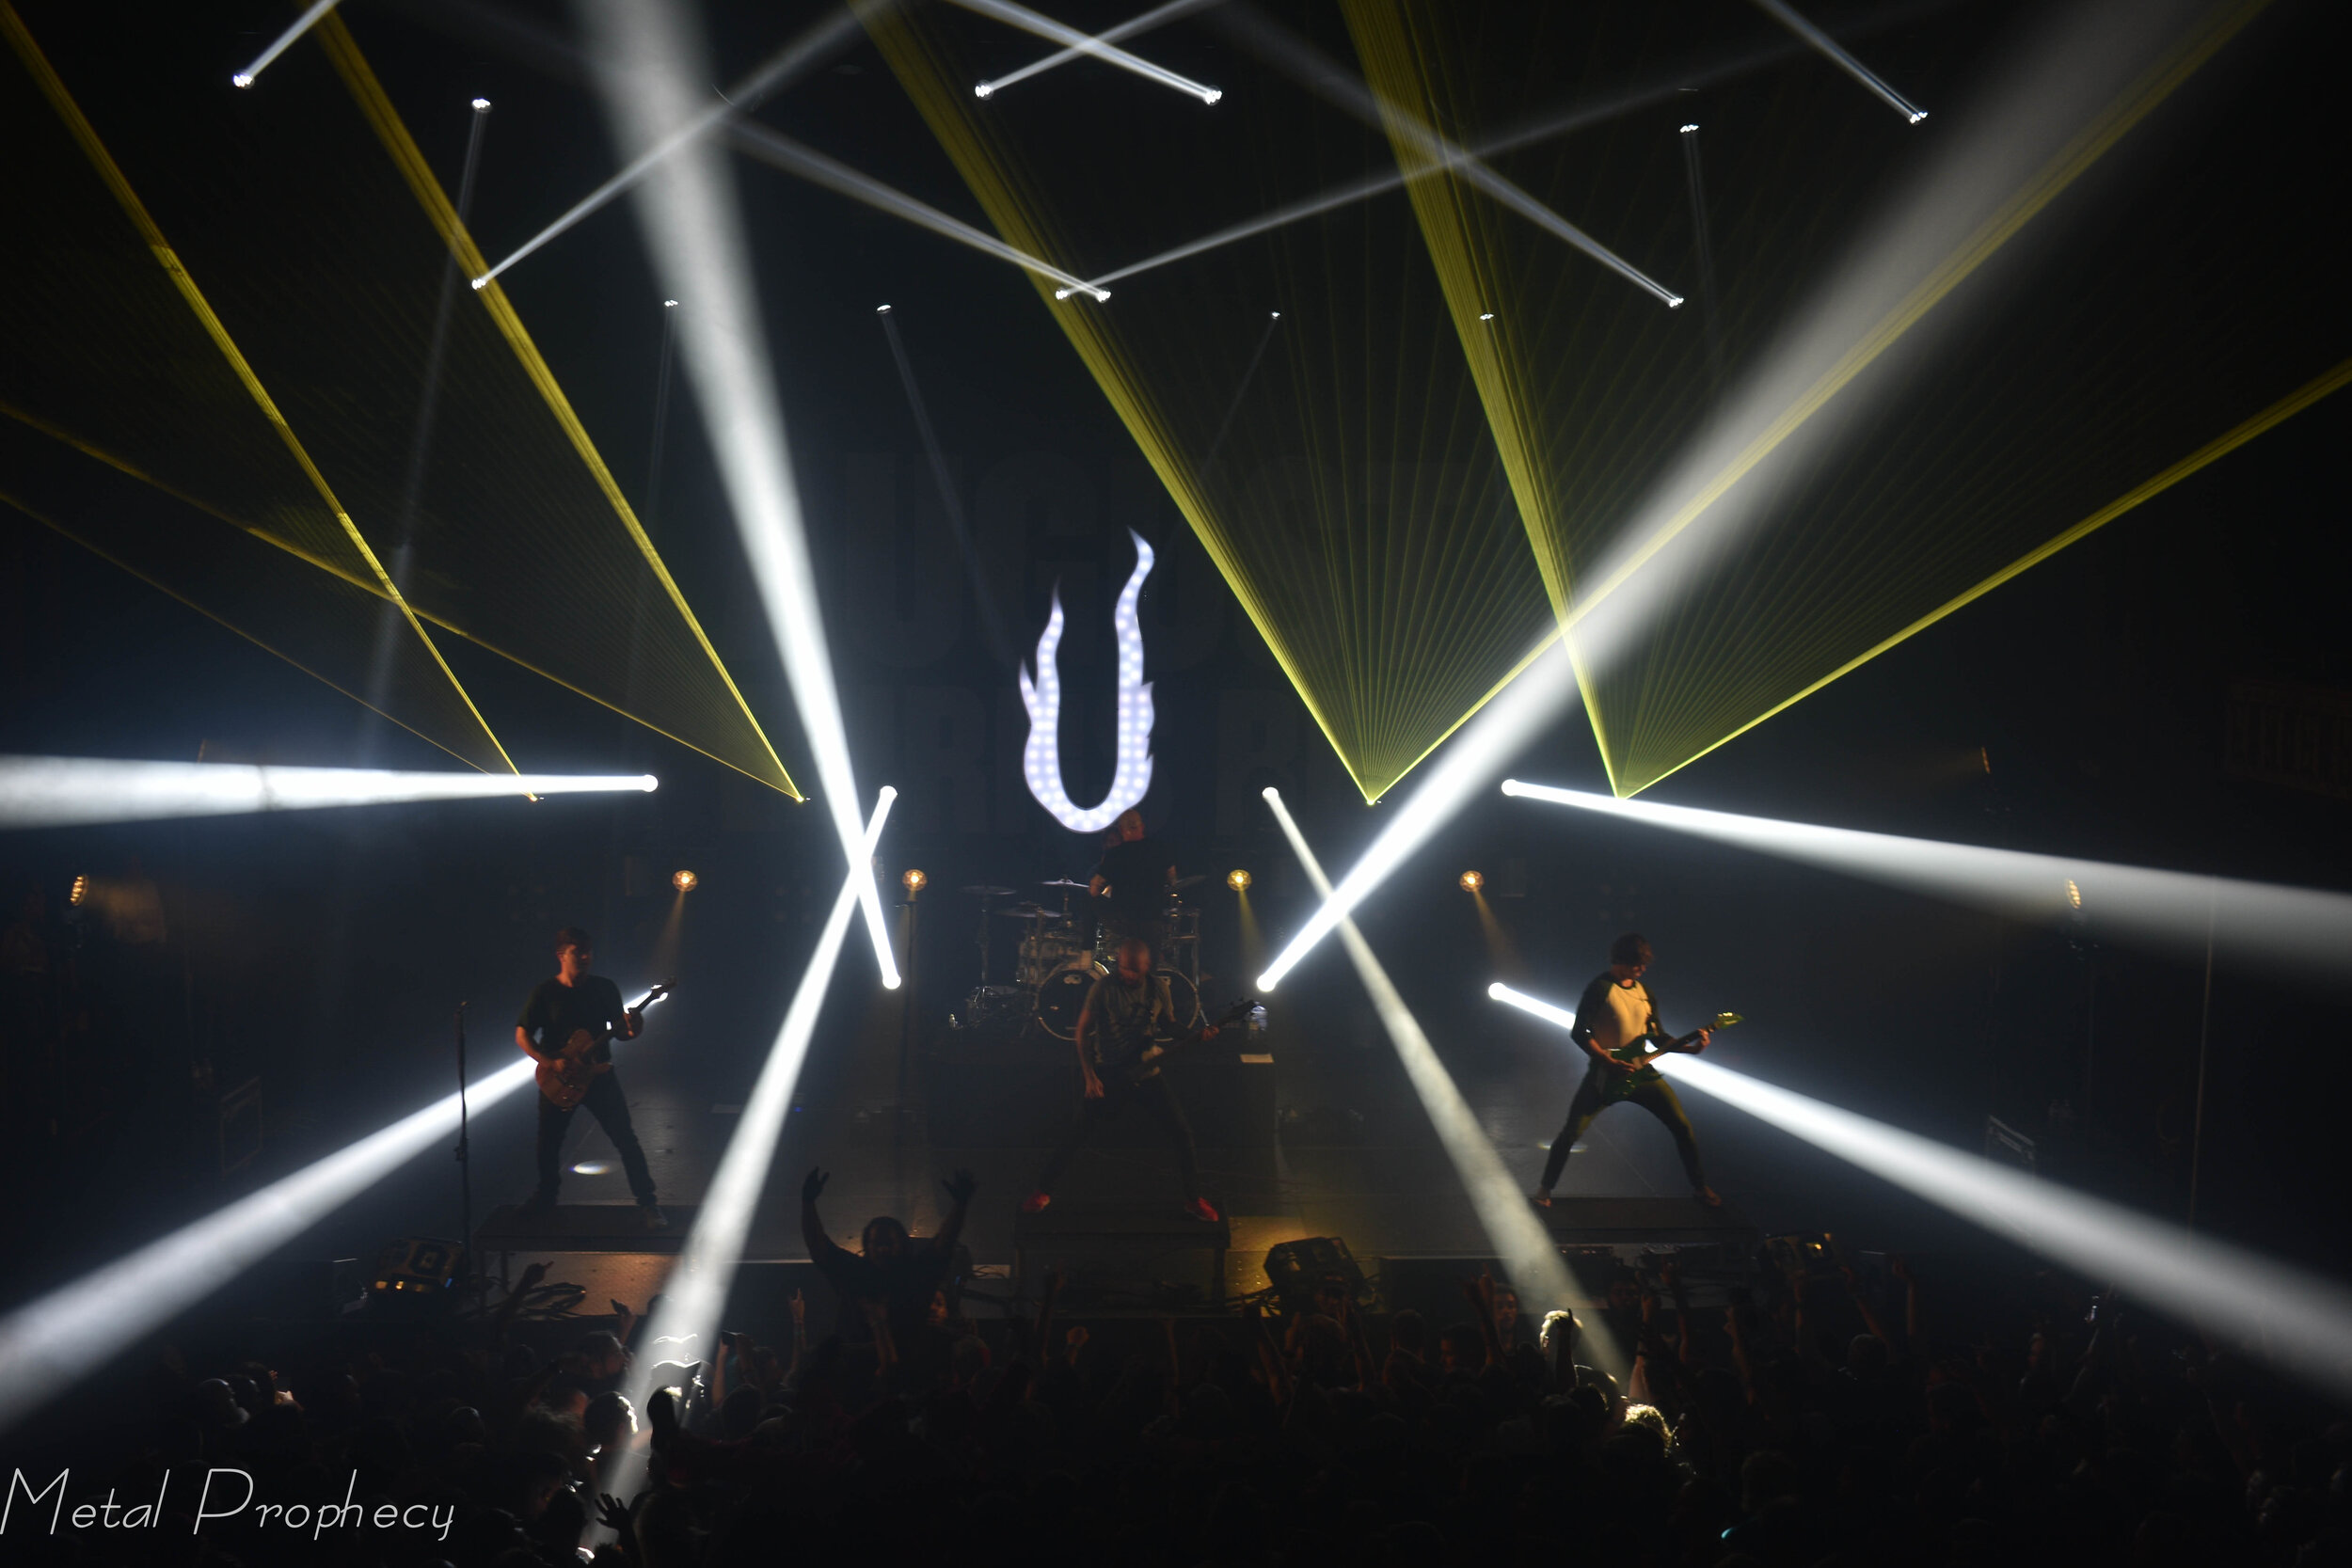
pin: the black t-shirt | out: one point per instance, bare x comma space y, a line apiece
555, 1009
1136, 871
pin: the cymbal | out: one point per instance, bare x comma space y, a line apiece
1058, 881
980, 890
1183, 882
1026, 912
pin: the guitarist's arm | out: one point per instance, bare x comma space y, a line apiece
529, 1047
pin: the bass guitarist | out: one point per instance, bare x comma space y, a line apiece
1123, 1012
1617, 1012
573, 1003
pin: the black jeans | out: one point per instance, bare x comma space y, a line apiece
605, 1103
1657, 1098
1155, 1099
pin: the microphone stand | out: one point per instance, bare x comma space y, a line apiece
463, 1153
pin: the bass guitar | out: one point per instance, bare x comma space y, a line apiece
1147, 1060
1643, 1049
565, 1077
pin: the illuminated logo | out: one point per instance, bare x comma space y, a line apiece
1042, 759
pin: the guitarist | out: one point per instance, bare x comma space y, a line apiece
1615, 1013
1122, 1014
572, 1002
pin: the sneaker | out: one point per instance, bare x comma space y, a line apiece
1542, 1199
655, 1218
1709, 1197
1035, 1203
1204, 1211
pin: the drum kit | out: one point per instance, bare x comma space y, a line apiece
1063, 952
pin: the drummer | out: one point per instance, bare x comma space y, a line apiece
1130, 884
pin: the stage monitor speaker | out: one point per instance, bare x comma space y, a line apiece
1297, 1268
415, 1273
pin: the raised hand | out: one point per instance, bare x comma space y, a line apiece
813, 1184
799, 1310
616, 1515
961, 1187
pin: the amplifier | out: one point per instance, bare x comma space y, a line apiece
1297, 1268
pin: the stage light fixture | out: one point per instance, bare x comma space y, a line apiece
2259, 921
1470, 881
914, 882
1832, 51
692, 224
684, 881
1485, 315
882, 309
51, 792
302, 24
1688, 129
482, 105
1237, 880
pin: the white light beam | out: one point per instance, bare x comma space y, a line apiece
1479, 751
781, 69
1313, 71
51, 1343
1513, 1229
1831, 49
1159, 16
646, 58
2264, 921
698, 1286
303, 23
2085, 85
2274, 1312
58, 792
1047, 28
778, 150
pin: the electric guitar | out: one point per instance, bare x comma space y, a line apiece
1640, 1051
1149, 1060
565, 1077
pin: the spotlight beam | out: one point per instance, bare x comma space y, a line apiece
1663, 91
1959, 217
1527, 706
1070, 37
777, 151
303, 23
1518, 1238
1830, 50
58, 792
1312, 70
645, 60
1159, 16
51, 1343
2303, 927
2276, 1313
698, 1286
781, 69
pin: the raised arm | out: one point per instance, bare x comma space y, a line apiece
960, 1189
823, 1250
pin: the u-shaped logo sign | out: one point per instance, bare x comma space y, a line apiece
1042, 759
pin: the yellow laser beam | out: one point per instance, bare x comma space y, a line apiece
52, 87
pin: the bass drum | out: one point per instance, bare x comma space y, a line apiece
1063, 995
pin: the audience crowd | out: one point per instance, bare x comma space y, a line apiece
1826, 1416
